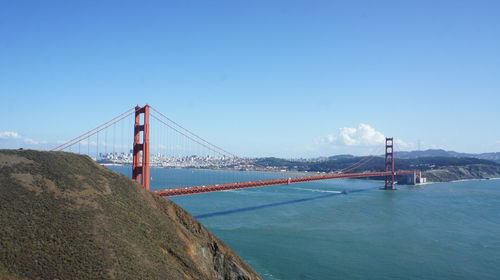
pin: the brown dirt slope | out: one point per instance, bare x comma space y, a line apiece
64, 217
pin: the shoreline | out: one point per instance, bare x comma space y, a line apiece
313, 173
112, 164
462, 180
474, 179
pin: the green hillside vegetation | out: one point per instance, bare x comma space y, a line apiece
65, 217
473, 171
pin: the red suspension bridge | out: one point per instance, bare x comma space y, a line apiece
170, 153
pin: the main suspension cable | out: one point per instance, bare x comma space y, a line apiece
81, 137
92, 132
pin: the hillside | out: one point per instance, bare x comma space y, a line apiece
65, 217
453, 173
442, 153
436, 169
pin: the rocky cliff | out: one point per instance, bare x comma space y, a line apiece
64, 217
471, 171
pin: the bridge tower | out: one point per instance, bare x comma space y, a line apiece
389, 164
140, 163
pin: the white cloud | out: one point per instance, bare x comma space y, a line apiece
363, 139
401, 145
9, 135
121, 146
363, 135
31, 141
91, 143
15, 137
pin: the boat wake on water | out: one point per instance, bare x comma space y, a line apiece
316, 190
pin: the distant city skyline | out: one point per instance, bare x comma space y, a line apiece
282, 78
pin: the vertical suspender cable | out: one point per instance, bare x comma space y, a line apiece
97, 147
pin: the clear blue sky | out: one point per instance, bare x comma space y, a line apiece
281, 78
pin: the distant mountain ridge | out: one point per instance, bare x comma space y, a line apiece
443, 153
438, 165
430, 153
336, 157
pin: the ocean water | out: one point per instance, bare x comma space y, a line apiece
349, 229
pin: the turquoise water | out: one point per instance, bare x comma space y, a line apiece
314, 231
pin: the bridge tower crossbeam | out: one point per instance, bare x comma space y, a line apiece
389, 164
140, 162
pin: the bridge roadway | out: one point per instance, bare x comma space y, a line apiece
265, 183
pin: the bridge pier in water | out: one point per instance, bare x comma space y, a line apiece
140, 161
389, 164
413, 179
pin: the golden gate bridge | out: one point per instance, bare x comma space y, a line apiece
146, 116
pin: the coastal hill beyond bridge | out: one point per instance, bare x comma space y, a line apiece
146, 138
